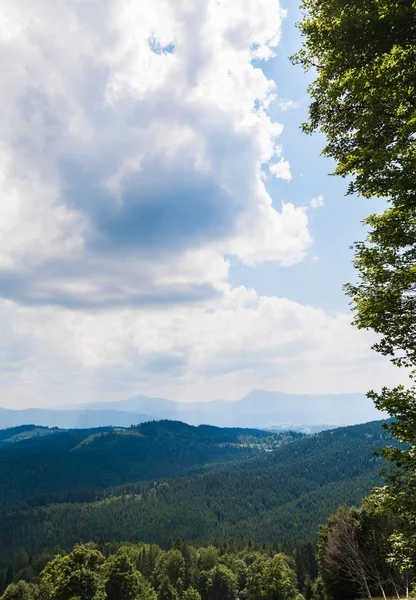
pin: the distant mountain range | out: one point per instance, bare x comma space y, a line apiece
259, 408
69, 419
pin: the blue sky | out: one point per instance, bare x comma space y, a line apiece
315, 282
166, 227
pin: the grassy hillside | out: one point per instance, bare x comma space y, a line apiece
284, 493
12, 435
65, 462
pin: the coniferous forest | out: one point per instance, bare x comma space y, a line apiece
262, 491
265, 497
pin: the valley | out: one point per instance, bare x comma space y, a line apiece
168, 479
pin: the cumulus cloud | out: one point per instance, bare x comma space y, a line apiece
317, 202
281, 169
135, 135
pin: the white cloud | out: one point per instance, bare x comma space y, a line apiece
50, 355
274, 236
134, 134
281, 169
285, 105
317, 202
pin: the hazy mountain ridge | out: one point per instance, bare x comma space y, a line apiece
259, 408
70, 419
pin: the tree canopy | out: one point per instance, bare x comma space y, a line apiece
364, 100
146, 572
364, 95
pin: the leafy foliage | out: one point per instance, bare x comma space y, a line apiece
364, 95
272, 579
385, 297
92, 572
356, 552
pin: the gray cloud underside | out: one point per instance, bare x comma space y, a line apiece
160, 209
34, 288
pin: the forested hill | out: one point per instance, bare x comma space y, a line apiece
37, 461
284, 493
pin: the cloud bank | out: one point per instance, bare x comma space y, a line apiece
135, 147
223, 349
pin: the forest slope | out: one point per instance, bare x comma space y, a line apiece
284, 493
38, 461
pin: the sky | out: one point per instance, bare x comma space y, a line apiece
165, 226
